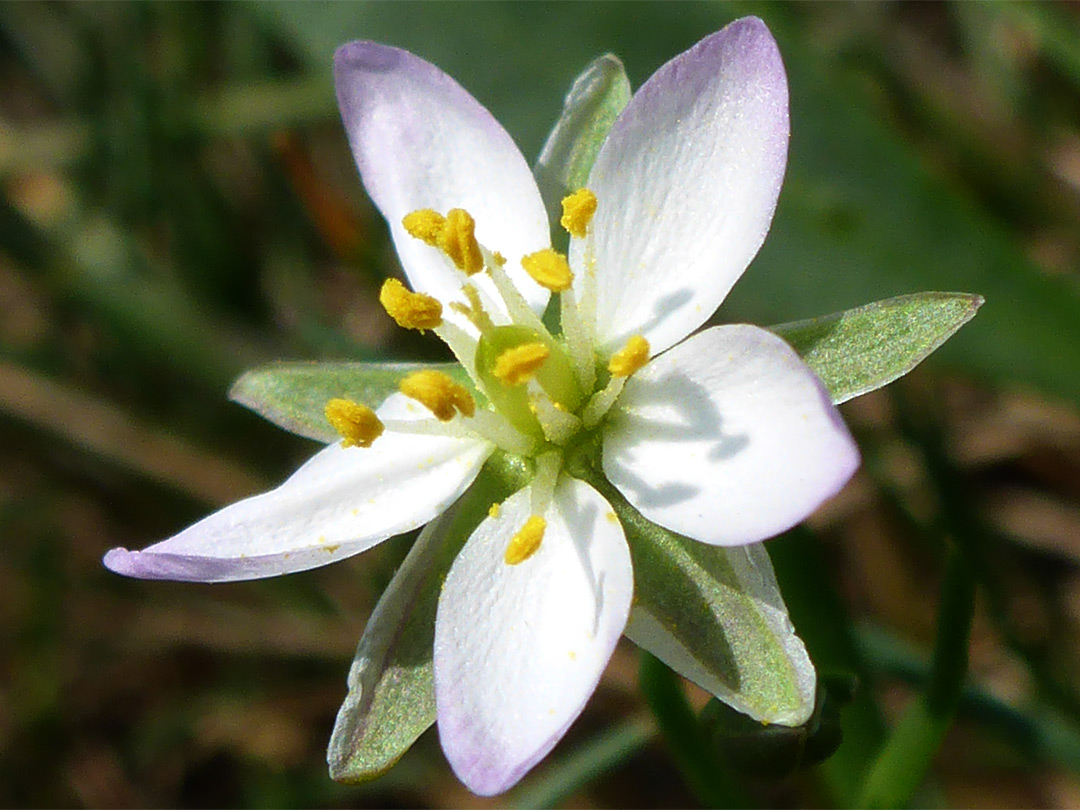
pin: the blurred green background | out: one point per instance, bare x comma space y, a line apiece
179, 203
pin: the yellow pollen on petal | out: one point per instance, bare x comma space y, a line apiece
577, 211
411, 310
357, 424
526, 542
493, 510
458, 241
630, 358
517, 365
548, 269
439, 394
425, 225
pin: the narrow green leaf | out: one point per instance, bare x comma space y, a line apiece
595, 100
391, 697
862, 349
715, 616
293, 395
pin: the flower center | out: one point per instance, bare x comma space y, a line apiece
545, 391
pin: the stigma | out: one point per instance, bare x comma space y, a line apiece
358, 424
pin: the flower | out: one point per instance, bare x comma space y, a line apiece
724, 436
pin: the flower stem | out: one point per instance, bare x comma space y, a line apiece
902, 764
709, 779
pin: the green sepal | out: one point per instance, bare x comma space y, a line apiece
391, 697
715, 616
294, 395
595, 100
861, 349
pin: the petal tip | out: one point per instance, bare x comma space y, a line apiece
119, 561
365, 54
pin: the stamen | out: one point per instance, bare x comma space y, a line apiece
602, 401
457, 239
484, 424
526, 542
411, 310
578, 342
425, 225
518, 364
475, 310
548, 269
578, 210
558, 425
516, 306
439, 394
497, 429
357, 424
542, 488
630, 358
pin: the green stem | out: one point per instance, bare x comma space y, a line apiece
902, 764
705, 775
1039, 732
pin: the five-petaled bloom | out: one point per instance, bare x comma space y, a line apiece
724, 436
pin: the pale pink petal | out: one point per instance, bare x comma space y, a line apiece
686, 185
341, 502
520, 648
421, 141
727, 438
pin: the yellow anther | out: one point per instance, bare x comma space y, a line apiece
630, 358
439, 394
410, 310
425, 225
526, 542
517, 365
457, 239
548, 269
357, 424
577, 211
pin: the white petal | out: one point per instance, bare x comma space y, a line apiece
421, 141
686, 186
727, 438
341, 502
520, 648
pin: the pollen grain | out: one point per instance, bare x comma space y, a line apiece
526, 542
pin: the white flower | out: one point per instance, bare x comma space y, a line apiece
725, 436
